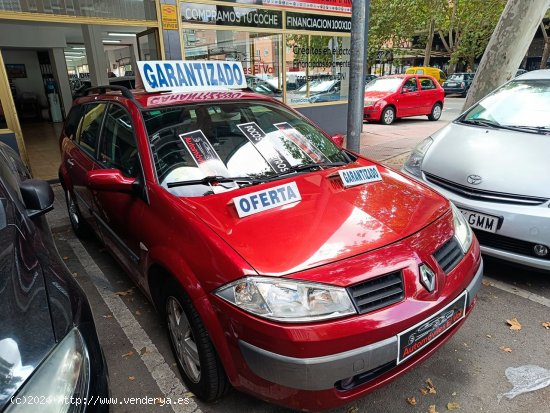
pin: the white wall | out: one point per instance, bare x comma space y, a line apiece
23, 35
33, 82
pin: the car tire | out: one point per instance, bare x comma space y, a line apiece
197, 360
388, 115
436, 112
79, 225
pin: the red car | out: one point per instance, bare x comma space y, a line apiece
284, 265
399, 96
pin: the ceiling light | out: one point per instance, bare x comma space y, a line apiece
78, 48
111, 41
122, 34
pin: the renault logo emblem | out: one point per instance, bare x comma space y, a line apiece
427, 278
474, 179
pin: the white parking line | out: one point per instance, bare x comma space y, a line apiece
518, 291
170, 385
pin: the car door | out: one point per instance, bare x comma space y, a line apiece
428, 95
118, 213
80, 155
409, 98
26, 334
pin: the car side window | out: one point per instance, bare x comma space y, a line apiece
410, 84
118, 148
426, 83
71, 125
90, 127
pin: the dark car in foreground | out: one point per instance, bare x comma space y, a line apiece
458, 83
50, 357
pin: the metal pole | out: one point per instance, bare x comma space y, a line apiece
359, 42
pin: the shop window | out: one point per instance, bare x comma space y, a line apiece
317, 68
258, 52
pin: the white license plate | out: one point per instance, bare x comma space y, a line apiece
481, 221
451, 84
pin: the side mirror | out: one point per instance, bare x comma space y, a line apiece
338, 140
110, 180
37, 196
405, 90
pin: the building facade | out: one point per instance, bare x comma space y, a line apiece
296, 51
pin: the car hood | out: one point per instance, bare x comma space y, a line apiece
375, 95
507, 161
330, 223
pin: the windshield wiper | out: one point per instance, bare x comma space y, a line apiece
533, 129
216, 179
482, 122
309, 167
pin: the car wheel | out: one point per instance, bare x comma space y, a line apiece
79, 225
436, 112
197, 359
388, 115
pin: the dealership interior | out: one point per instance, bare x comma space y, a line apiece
48, 64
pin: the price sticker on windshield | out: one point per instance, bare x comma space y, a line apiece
358, 176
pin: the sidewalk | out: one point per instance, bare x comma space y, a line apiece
391, 144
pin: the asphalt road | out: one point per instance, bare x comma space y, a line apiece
468, 370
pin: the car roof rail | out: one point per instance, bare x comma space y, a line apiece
122, 89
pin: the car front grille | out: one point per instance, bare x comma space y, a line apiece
449, 255
379, 292
500, 242
481, 195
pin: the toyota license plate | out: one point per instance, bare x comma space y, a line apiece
481, 221
421, 335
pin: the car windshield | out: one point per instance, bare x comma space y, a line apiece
457, 77
318, 86
389, 84
197, 146
522, 104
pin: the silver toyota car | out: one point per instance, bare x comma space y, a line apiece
493, 162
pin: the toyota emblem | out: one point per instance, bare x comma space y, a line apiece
474, 179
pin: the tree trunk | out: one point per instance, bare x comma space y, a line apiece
546, 50
429, 42
509, 43
545, 54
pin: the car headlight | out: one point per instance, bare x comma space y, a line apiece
370, 102
287, 300
463, 232
413, 165
62, 376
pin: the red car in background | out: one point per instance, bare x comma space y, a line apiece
282, 264
390, 97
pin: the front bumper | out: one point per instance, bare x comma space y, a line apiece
321, 373
521, 226
370, 113
451, 90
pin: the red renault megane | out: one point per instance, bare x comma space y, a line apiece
283, 265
